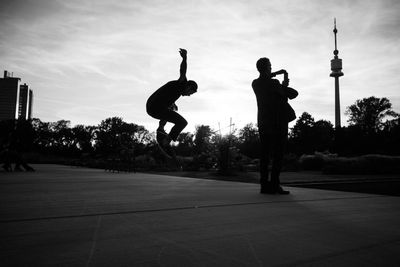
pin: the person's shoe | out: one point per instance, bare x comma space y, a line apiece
163, 141
281, 191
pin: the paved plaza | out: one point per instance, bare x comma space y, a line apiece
68, 216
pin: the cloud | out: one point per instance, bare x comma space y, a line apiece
107, 57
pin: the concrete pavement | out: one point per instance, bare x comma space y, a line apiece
67, 216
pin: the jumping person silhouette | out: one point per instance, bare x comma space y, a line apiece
161, 106
273, 118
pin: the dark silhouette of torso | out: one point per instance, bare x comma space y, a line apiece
271, 102
272, 99
166, 95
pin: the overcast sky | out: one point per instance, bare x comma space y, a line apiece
90, 60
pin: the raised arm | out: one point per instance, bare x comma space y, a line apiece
287, 91
290, 92
183, 67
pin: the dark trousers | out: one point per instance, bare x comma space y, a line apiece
169, 116
272, 146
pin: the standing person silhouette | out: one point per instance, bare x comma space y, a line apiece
272, 97
161, 106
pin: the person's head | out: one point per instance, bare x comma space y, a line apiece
191, 88
264, 66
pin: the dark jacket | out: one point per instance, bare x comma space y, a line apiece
272, 99
166, 95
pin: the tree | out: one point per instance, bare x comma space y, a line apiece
249, 141
303, 125
301, 139
110, 135
113, 136
323, 135
43, 135
204, 150
16, 134
62, 137
136, 136
308, 135
83, 137
202, 140
185, 145
369, 113
391, 136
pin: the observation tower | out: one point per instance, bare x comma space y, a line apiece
336, 67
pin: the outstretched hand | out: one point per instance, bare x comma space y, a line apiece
183, 52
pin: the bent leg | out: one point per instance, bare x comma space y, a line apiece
180, 124
167, 115
161, 125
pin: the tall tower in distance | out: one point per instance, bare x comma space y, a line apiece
336, 67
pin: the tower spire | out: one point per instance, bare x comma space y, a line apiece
336, 51
336, 67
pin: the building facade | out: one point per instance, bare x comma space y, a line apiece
23, 107
16, 100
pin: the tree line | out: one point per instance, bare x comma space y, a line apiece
374, 128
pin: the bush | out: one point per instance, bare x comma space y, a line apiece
145, 162
367, 164
290, 162
315, 162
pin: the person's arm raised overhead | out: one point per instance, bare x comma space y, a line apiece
183, 67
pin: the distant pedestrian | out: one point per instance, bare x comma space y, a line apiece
274, 114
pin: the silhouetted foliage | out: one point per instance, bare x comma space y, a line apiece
17, 135
355, 141
62, 136
227, 154
186, 144
113, 135
83, 138
308, 135
113, 139
203, 147
369, 113
371, 131
323, 133
391, 137
202, 139
249, 141
301, 138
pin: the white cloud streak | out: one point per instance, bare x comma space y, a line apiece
90, 60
